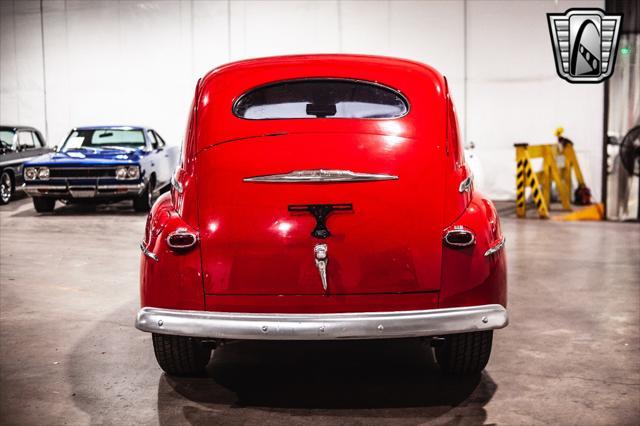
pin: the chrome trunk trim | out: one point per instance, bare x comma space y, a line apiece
495, 248
360, 325
320, 175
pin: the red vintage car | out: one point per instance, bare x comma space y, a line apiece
322, 197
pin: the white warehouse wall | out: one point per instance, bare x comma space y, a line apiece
71, 63
515, 95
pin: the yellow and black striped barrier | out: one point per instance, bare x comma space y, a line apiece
525, 177
541, 182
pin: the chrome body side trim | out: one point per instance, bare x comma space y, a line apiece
496, 247
176, 184
320, 175
359, 325
148, 252
16, 161
465, 185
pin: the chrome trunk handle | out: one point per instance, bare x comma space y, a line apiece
320, 252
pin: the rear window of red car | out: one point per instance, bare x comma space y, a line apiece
321, 98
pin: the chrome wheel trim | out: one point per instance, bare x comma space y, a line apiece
5, 187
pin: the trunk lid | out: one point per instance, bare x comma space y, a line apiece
252, 244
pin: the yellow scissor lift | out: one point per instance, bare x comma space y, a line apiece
540, 182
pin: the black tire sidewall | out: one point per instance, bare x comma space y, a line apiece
144, 201
11, 186
465, 354
44, 204
181, 355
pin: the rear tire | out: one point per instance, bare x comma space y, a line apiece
181, 356
6, 187
44, 205
465, 353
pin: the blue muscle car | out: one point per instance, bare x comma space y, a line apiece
102, 164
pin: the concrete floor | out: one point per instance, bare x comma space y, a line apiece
69, 353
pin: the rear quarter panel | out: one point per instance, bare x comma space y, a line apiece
468, 276
174, 281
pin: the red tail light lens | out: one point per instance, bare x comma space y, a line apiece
182, 240
459, 237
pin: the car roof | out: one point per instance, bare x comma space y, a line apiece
16, 128
112, 127
423, 87
372, 61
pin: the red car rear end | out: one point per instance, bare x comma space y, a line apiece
322, 197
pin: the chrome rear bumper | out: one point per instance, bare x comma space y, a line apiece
361, 325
